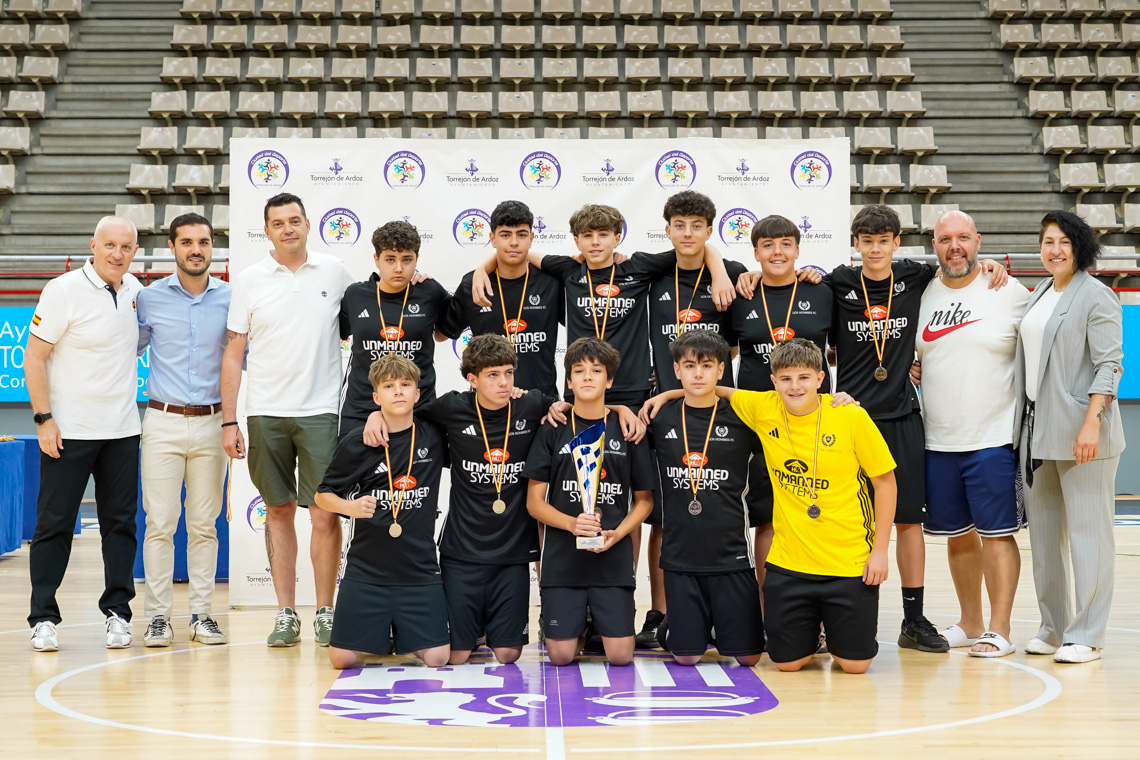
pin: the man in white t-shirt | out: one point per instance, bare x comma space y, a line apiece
82, 382
970, 397
286, 308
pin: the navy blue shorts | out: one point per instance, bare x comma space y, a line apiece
972, 490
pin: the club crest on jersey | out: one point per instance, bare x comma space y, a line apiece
392, 333
413, 308
804, 305
515, 326
784, 333
721, 431
615, 444
827, 439
797, 466
421, 453
689, 316
900, 287
695, 459
497, 456
534, 299
606, 290
520, 425
405, 483
876, 312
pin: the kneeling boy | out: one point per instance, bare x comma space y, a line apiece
391, 578
709, 460
586, 481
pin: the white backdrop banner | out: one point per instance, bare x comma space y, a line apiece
448, 188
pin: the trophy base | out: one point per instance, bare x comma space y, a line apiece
590, 542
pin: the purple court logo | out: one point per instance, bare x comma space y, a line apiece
736, 227
268, 168
340, 227
459, 345
811, 171
472, 228
255, 515
404, 170
537, 694
676, 170
540, 171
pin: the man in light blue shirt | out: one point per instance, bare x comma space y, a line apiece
183, 319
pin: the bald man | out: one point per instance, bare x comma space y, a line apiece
82, 382
971, 394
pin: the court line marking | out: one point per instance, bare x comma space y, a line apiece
45, 698
555, 747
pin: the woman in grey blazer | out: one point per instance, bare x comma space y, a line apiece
1069, 347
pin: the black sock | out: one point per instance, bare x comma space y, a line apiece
912, 603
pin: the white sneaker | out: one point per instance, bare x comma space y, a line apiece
118, 632
159, 633
205, 630
44, 637
1076, 653
1037, 646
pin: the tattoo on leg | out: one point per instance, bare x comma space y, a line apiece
268, 542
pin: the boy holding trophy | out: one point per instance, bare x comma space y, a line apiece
593, 488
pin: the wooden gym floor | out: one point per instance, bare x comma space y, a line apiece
247, 701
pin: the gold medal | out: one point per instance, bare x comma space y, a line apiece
700, 459
512, 327
880, 348
687, 316
601, 334
396, 495
497, 458
813, 511
391, 334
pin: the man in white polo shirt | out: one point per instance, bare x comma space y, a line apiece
971, 393
286, 307
82, 381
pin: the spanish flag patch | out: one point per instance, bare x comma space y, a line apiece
36, 320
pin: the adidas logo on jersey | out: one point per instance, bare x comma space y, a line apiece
851, 296
382, 468
752, 315
469, 430
363, 314
485, 310
665, 297
774, 432
671, 434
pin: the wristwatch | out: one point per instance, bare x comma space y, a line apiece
41, 418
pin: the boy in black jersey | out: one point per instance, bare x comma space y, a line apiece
391, 579
708, 460
617, 491
876, 310
393, 311
489, 539
527, 306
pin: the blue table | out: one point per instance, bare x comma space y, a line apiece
181, 574
32, 485
11, 494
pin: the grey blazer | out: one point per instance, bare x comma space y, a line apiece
1081, 352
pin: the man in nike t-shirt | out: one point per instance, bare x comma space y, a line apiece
971, 393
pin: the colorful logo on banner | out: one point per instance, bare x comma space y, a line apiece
459, 345
736, 227
255, 515
540, 171
472, 228
268, 168
811, 171
340, 227
404, 170
534, 693
676, 170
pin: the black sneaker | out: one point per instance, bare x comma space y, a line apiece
921, 634
593, 643
647, 639
662, 634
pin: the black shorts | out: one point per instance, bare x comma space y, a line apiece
728, 601
491, 599
795, 606
365, 613
656, 515
906, 438
564, 611
760, 500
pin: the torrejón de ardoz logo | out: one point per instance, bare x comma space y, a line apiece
742, 174
268, 168
472, 174
608, 174
336, 174
533, 693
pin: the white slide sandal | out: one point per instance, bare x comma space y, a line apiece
957, 637
997, 640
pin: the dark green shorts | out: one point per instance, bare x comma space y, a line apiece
288, 456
